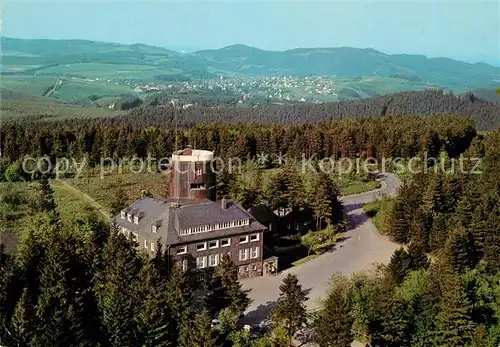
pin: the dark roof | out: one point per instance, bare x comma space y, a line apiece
192, 214
263, 214
207, 213
303, 215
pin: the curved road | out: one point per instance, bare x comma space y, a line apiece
362, 248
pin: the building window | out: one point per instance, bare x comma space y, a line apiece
289, 226
184, 265
213, 244
154, 229
136, 219
254, 237
225, 242
145, 243
123, 215
201, 246
297, 226
270, 227
182, 250
254, 252
246, 268
254, 267
244, 239
201, 262
198, 172
152, 246
213, 260
243, 254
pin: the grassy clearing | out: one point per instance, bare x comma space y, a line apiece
17, 204
349, 186
379, 211
121, 188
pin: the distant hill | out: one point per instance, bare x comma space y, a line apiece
110, 69
351, 62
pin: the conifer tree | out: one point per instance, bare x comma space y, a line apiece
399, 265
459, 250
399, 224
333, 324
154, 318
46, 201
116, 291
180, 301
395, 325
418, 259
290, 314
202, 334
439, 231
62, 307
236, 298
453, 324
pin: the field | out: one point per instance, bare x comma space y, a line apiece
120, 189
109, 71
66, 89
14, 109
16, 201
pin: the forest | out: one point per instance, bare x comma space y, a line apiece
388, 136
84, 284
484, 113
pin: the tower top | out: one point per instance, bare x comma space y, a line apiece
189, 154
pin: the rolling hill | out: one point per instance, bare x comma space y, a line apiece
351, 62
75, 70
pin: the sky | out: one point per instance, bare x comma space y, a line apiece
467, 31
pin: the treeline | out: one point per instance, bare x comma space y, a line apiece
485, 114
389, 136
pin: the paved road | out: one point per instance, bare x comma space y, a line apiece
363, 247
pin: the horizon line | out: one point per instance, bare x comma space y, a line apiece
472, 62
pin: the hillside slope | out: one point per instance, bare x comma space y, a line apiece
351, 62
144, 62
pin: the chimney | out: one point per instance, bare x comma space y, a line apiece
223, 203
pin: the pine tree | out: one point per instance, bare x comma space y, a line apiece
399, 225
116, 291
325, 201
399, 265
453, 322
202, 334
418, 259
155, 323
439, 231
180, 301
395, 325
333, 324
237, 298
290, 312
459, 250
46, 202
60, 302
